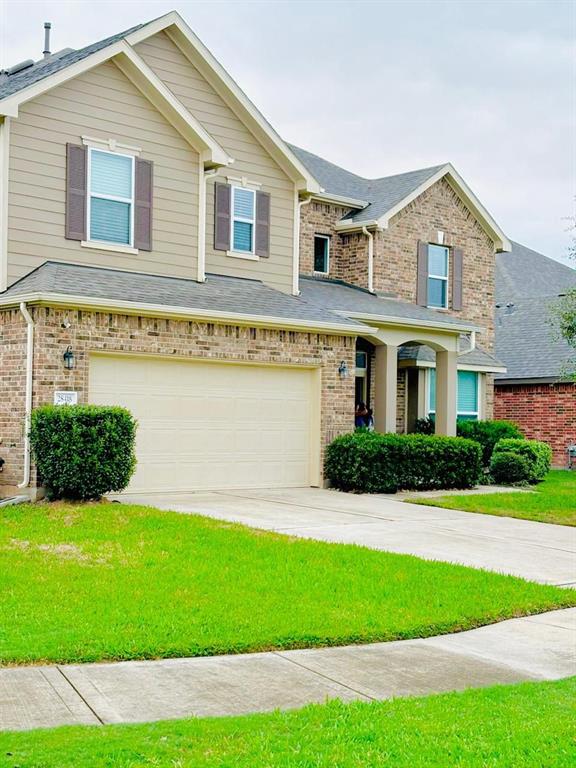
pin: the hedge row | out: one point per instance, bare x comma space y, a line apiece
520, 461
487, 432
371, 462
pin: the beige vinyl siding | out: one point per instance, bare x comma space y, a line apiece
101, 103
251, 160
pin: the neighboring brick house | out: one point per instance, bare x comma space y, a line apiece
160, 247
534, 392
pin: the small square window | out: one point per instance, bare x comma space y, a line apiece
321, 254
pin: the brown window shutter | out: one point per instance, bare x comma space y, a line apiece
222, 212
262, 238
76, 170
422, 274
457, 259
143, 193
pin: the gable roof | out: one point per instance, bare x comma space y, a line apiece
524, 273
527, 285
386, 196
45, 74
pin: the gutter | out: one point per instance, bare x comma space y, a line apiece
28, 392
350, 202
185, 313
387, 319
203, 177
356, 225
296, 259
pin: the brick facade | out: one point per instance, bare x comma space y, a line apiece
543, 411
106, 332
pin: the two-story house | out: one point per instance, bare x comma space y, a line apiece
162, 248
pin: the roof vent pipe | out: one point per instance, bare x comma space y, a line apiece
47, 28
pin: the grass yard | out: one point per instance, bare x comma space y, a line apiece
553, 501
112, 581
520, 726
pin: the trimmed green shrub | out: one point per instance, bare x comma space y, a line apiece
488, 433
371, 462
83, 451
537, 454
509, 468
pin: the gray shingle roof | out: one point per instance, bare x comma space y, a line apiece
424, 354
340, 296
527, 284
524, 273
382, 194
225, 294
44, 67
525, 341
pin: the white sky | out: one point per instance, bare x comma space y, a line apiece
386, 86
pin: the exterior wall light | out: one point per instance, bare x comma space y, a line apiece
69, 361
343, 369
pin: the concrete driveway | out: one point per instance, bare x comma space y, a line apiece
537, 551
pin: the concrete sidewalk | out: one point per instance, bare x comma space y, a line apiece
535, 648
536, 551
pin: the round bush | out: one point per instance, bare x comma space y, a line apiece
538, 455
508, 468
488, 433
371, 462
83, 451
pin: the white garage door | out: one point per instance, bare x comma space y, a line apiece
214, 425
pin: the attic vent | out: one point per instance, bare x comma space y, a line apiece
20, 67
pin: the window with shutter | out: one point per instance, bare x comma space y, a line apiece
110, 203
438, 258
243, 218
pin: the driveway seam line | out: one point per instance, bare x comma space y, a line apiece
326, 677
71, 684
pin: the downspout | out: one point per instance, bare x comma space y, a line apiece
28, 393
299, 204
370, 237
203, 177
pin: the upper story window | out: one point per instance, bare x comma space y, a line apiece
110, 204
321, 254
438, 261
468, 403
243, 219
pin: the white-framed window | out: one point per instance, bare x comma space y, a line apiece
110, 199
468, 389
321, 254
243, 219
361, 376
438, 266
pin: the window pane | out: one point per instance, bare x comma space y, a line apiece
242, 236
360, 359
244, 203
109, 221
321, 254
436, 292
111, 174
467, 391
438, 260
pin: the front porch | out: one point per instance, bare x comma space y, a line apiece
400, 385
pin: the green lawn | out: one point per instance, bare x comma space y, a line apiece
553, 501
519, 726
112, 581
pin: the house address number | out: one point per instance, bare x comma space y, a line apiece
65, 398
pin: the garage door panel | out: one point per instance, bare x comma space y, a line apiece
212, 425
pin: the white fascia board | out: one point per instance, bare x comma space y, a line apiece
383, 320
461, 366
146, 80
351, 202
195, 50
465, 193
186, 313
350, 226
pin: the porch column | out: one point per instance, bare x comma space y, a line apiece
385, 388
446, 383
